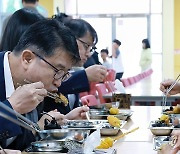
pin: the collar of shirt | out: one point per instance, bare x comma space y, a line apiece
8, 77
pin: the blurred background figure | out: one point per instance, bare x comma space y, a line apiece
146, 56
30, 3
104, 56
117, 64
34, 5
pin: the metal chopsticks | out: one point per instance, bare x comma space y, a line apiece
49, 94
2, 149
168, 90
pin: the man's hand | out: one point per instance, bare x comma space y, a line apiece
77, 113
27, 97
60, 118
166, 84
96, 73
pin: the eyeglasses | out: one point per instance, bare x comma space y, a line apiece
59, 73
87, 46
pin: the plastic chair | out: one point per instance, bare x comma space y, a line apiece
125, 82
89, 100
93, 88
83, 94
131, 80
110, 86
111, 76
101, 89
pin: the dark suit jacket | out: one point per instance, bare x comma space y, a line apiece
9, 129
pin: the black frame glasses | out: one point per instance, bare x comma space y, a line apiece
59, 73
87, 46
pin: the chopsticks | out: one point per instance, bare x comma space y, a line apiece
168, 90
122, 135
49, 94
21, 120
2, 149
58, 98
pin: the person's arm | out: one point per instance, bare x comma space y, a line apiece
7, 128
77, 83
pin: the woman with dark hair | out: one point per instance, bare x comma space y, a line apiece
146, 56
17, 24
86, 37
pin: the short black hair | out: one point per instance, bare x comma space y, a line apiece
80, 27
17, 24
117, 42
105, 51
30, 1
45, 36
146, 42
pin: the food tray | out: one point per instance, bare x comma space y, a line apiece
82, 124
109, 130
160, 131
123, 114
158, 142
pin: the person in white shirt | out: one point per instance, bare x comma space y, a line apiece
104, 56
117, 64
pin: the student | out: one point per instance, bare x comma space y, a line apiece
146, 56
104, 56
117, 64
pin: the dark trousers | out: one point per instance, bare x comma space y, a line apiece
119, 75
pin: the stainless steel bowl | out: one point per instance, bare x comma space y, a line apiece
109, 130
56, 134
160, 131
47, 146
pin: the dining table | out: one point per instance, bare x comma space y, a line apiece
147, 90
140, 141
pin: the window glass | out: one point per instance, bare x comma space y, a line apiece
104, 34
107, 6
10, 6
131, 32
156, 6
156, 33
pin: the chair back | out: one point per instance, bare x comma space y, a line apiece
89, 100
101, 90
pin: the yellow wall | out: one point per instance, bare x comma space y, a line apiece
48, 5
168, 39
176, 37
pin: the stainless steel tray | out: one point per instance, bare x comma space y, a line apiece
109, 130
160, 131
47, 146
83, 124
158, 141
123, 114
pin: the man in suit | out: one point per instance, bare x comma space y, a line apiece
45, 53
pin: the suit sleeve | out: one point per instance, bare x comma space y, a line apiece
76, 84
7, 128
